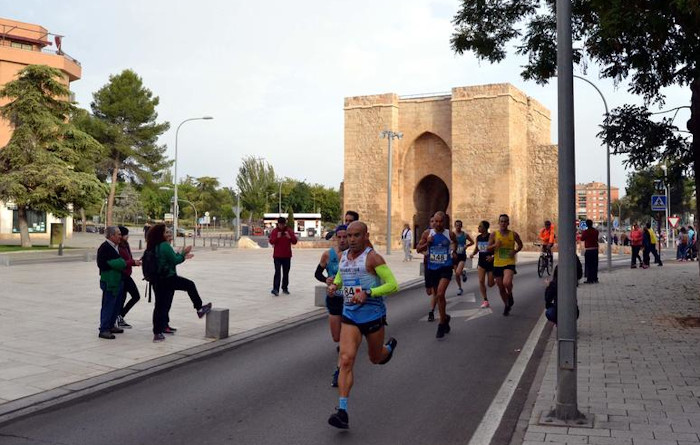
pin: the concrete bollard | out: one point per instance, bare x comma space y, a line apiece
320, 296
217, 323
140, 244
60, 249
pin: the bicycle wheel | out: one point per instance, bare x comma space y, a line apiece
541, 266
550, 265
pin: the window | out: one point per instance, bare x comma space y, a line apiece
35, 220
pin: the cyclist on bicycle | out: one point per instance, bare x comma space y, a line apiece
547, 236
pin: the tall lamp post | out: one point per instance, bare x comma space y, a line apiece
390, 135
668, 201
196, 219
608, 204
175, 202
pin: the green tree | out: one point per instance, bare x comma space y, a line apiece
327, 202
256, 181
125, 124
43, 165
300, 198
651, 44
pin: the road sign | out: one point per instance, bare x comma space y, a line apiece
673, 220
658, 203
582, 225
616, 223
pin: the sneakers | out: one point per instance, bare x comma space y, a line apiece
447, 324
485, 304
431, 316
506, 310
285, 291
511, 302
157, 338
440, 331
644, 266
460, 291
116, 330
204, 310
106, 335
339, 419
391, 343
634, 266
464, 276
334, 382
275, 293
169, 330
121, 323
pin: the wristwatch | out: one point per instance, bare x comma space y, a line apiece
368, 292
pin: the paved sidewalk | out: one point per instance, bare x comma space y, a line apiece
638, 367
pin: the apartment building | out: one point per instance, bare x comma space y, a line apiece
592, 200
23, 44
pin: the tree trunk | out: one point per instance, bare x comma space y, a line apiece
694, 128
23, 227
112, 192
83, 220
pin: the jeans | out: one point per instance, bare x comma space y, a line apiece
131, 289
165, 289
591, 258
283, 264
110, 306
635, 255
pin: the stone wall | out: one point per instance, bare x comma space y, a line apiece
489, 145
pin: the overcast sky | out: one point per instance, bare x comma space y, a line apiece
274, 74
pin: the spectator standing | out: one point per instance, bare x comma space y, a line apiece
683, 239
111, 265
692, 243
406, 241
159, 238
653, 241
636, 240
282, 238
129, 285
589, 237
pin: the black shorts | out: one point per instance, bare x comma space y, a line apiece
498, 271
369, 327
433, 277
334, 305
461, 257
486, 265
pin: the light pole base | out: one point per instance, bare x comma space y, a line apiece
566, 418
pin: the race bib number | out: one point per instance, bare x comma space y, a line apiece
438, 255
350, 290
461, 249
504, 253
482, 245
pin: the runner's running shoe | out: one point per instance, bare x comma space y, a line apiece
339, 419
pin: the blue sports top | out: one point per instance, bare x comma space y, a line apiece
355, 279
332, 268
439, 250
462, 242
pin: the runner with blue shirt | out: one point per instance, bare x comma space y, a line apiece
440, 244
334, 303
364, 279
463, 242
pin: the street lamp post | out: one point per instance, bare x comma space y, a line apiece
194, 233
390, 135
175, 203
668, 201
608, 205
279, 205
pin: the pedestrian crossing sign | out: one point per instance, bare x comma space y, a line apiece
658, 203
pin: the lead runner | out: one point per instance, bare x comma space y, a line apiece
365, 279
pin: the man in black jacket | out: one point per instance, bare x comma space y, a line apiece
111, 265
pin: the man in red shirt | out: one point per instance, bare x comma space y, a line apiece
282, 238
589, 238
636, 239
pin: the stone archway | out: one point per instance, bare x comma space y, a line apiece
431, 195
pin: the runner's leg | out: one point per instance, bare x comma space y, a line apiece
350, 339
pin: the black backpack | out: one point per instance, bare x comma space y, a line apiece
151, 269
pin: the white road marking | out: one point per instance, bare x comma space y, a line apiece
468, 314
487, 428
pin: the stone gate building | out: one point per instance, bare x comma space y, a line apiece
475, 153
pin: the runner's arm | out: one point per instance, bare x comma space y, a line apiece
321, 267
493, 244
423, 243
518, 242
389, 284
470, 241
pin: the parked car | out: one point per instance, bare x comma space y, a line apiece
184, 232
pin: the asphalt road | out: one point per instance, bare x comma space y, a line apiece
276, 390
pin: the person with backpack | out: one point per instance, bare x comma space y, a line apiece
129, 286
166, 280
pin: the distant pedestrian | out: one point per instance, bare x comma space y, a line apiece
145, 229
589, 237
111, 265
692, 243
550, 293
159, 238
683, 239
649, 242
282, 238
129, 284
407, 241
636, 240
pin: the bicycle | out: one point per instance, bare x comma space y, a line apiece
545, 262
